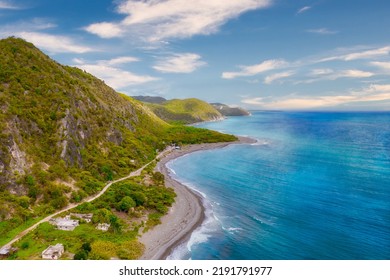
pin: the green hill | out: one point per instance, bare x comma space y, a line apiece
64, 134
189, 110
185, 111
150, 99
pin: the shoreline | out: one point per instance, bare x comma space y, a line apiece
186, 214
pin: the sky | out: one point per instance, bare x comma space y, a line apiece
257, 54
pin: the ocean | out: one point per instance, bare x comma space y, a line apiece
314, 186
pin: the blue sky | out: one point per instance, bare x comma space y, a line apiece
258, 54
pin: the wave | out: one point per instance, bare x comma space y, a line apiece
202, 234
261, 142
233, 229
268, 222
171, 171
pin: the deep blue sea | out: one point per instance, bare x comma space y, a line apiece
314, 186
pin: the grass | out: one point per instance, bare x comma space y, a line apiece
10, 234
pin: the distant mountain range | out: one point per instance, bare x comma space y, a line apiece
230, 111
189, 110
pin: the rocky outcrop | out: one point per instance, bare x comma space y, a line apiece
18, 163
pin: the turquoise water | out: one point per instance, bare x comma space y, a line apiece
314, 186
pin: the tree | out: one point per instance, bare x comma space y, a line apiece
86, 247
81, 255
139, 198
116, 224
102, 216
109, 175
125, 204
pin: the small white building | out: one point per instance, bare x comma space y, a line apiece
5, 251
85, 217
64, 223
53, 252
103, 227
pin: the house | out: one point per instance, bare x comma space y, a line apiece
103, 226
64, 223
53, 252
85, 217
5, 252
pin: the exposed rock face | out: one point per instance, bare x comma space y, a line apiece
18, 161
70, 151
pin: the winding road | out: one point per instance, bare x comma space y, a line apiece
74, 205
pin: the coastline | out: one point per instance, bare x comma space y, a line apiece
186, 214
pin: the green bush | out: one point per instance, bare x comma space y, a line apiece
125, 204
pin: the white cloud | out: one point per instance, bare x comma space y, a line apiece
180, 63
277, 76
322, 31
78, 60
32, 30
120, 60
35, 24
367, 54
31, 25
306, 70
383, 65
253, 101
39, 24
352, 74
54, 43
157, 20
7, 5
331, 75
111, 62
303, 9
320, 72
114, 77
378, 88
256, 69
374, 93
105, 30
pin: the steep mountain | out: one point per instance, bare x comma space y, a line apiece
150, 99
185, 111
64, 134
230, 111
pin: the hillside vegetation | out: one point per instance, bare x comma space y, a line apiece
185, 111
64, 134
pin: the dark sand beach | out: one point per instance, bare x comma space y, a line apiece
186, 214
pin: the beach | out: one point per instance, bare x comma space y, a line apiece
186, 214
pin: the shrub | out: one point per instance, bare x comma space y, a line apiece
125, 204
130, 250
102, 250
